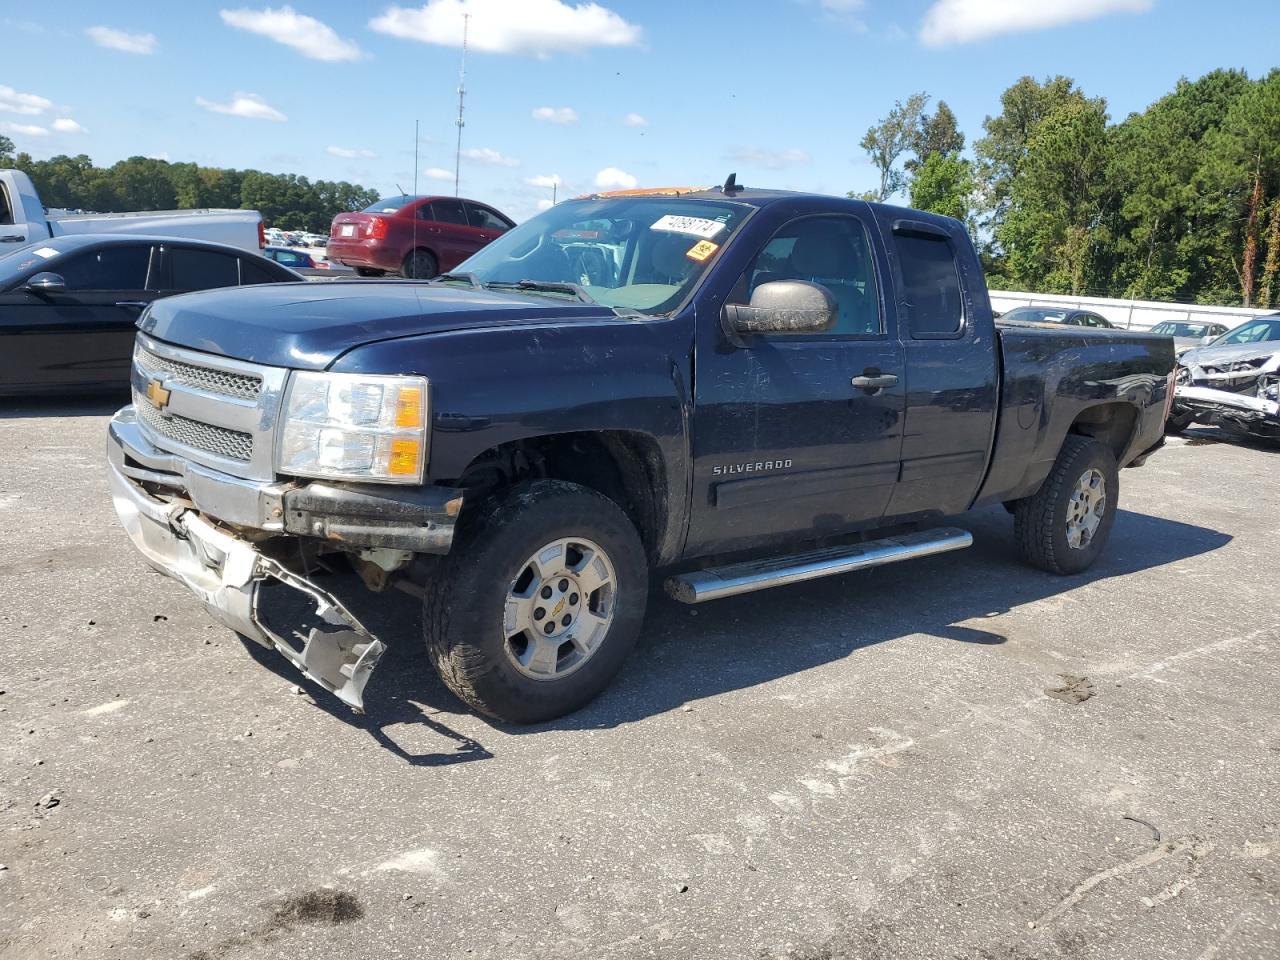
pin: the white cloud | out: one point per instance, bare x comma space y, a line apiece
546, 180
611, 178
489, 156
244, 105
158, 156
770, 159
122, 40
538, 27
561, 115
309, 36
26, 129
26, 104
437, 173
67, 125
842, 6
349, 153
544, 205
635, 120
963, 21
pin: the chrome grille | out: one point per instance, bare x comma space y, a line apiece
224, 382
219, 441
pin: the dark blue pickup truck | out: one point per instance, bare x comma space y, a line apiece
739, 388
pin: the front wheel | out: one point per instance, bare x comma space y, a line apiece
1063, 527
419, 265
539, 602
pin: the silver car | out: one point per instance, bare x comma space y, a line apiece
1233, 382
1187, 335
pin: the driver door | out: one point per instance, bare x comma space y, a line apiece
786, 445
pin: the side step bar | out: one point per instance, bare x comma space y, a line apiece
713, 583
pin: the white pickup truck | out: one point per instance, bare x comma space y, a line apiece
24, 220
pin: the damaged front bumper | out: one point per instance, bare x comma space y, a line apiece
1254, 415
201, 528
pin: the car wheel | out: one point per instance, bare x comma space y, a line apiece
1063, 527
419, 265
539, 602
369, 272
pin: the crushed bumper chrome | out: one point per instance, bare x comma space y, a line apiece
227, 573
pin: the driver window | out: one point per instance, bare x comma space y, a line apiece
834, 252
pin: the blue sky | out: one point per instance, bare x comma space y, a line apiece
780, 91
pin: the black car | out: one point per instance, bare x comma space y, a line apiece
1068, 315
68, 305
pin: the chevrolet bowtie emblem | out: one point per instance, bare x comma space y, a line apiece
157, 395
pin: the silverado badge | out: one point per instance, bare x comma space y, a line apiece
157, 395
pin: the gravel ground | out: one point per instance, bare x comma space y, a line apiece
954, 758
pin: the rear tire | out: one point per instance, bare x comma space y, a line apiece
369, 272
419, 265
1065, 524
539, 602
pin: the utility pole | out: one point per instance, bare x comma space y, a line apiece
462, 95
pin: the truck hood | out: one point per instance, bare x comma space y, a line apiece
309, 325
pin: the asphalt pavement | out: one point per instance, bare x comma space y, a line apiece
959, 757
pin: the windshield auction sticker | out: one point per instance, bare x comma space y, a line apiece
691, 226
701, 250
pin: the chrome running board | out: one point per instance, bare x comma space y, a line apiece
716, 582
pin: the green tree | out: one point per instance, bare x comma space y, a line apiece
6, 151
944, 183
1054, 231
936, 134
889, 139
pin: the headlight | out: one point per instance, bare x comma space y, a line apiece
355, 427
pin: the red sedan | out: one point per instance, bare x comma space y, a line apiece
416, 237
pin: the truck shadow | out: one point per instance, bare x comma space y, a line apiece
687, 653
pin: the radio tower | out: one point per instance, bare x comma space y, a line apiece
462, 96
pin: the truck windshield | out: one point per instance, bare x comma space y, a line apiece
633, 253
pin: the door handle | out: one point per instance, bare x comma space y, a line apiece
134, 304
873, 380
15, 238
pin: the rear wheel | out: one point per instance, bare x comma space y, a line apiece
369, 272
419, 265
1063, 527
538, 604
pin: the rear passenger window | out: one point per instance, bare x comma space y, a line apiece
931, 285
449, 211
113, 268
202, 269
252, 272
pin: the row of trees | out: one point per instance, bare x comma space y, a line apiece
142, 183
1179, 202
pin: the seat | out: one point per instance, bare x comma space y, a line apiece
826, 256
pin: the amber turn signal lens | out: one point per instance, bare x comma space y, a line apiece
404, 458
409, 407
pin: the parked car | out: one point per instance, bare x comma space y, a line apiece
69, 306
1188, 335
617, 386
416, 237
292, 258
1078, 318
1233, 382
24, 220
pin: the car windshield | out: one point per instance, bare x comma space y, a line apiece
388, 204
633, 253
1171, 329
1036, 314
1255, 331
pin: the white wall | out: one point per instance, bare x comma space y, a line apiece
1136, 314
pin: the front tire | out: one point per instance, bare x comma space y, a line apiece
419, 265
540, 601
1063, 527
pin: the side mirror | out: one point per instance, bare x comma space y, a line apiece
784, 306
46, 282
1208, 340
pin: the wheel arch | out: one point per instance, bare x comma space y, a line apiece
627, 466
1113, 423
